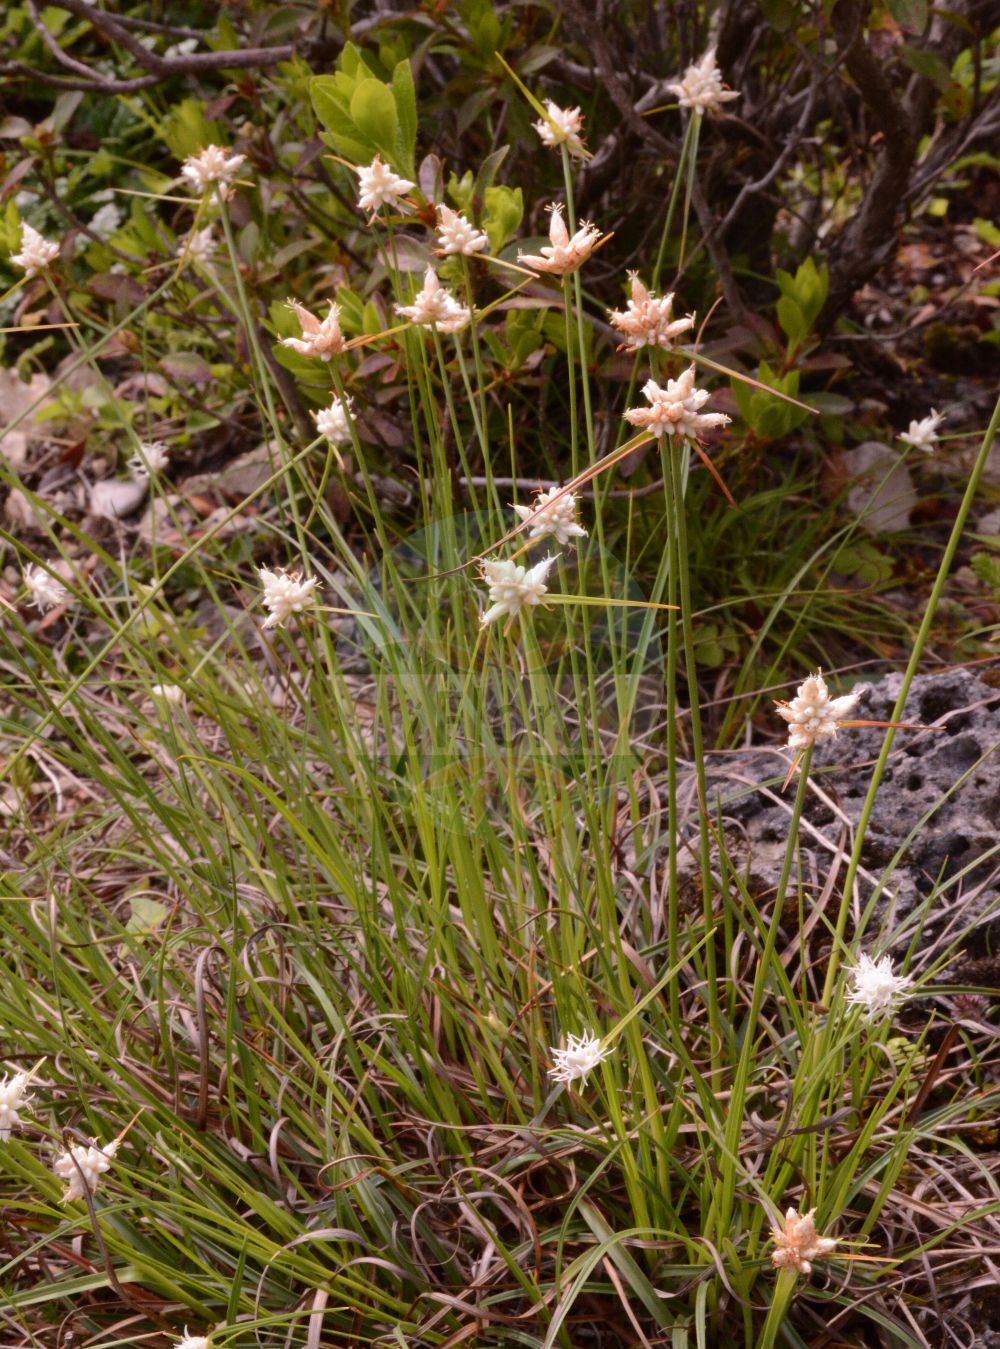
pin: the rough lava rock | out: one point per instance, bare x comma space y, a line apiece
950, 775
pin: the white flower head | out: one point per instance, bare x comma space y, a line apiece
82, 1167
435, 307
36, 251
876, 988
13, 1098
209, 166
812, 714
334, 421
922, 434
647, 320
512, 586
458, 235
561, 126
106, 220
320, 338
797, 1245
170, 695
564, 253
674, 410
153, 456
199, 246
47, 591
580, 1057
285, 593
380, 186
555, 517
192, 1341
701, 88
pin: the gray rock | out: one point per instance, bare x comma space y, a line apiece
939, 802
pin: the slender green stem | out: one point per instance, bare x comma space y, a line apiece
689, 149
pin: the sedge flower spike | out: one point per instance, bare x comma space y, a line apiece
153, 456
36, 251
812, 714
922, 434
192, 1341
552, 516
82, 1167
47, 591
701, 88
13, 1098
285, 593
561, 126
321, 338
169, 695
199, 246
380, 186
675, 410
876, 988
458, 235
564, 252
334, 421
512, 586
647, 320
797, 1244
209, 166
580, 1057
435, 307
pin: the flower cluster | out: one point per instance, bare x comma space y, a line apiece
36, 251
876, 988
334, 421
13, 1097
199, 246
561, 126
82, 1167
564, 252
512, 586
285, 593
922, 435
812, 714
580, 1057
701, 88
675, 410
458, 235
552, 512
434, 306
379, 186
209, 166
153, 456
46, 590
321, 338
647, 320
797, 1244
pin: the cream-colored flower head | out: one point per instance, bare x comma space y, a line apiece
561, 126
153, 456
169, 695
701, 88
334, 421
285, 593
435, 307
580, 1057
13, 1098
922, 434
563, 253
876, 988
512, 586
797, 1244
674, 410
209, 166
458, 235
320, 338
647, 320
379, 186
192, 1341
81, 1168
47, 591
812, 714
199, 246
36, 251
552, 516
